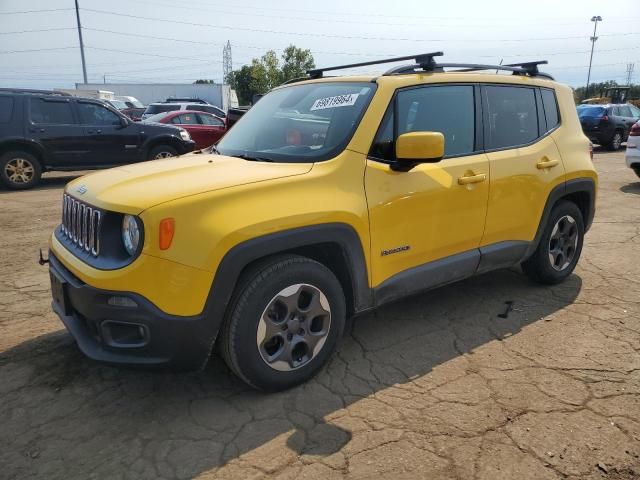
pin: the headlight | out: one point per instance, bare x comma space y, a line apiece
185, 135
130, 233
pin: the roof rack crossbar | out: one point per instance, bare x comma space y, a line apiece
425, 59
528, 68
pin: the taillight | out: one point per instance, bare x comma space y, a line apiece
635, 130
591, 150
605, 118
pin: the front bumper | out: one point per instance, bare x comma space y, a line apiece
127, 335
187, 146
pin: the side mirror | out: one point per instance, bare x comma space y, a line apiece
124, 122
413, 148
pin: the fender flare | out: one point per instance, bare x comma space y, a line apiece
241, 255
576, 185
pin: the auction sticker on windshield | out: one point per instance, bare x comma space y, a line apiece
333, 102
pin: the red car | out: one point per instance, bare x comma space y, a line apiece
205, 128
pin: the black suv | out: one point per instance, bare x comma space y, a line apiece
42, 131
608, 125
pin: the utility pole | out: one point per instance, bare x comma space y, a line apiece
594, 19
84, 65
630, 68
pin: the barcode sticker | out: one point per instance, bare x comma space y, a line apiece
334, 102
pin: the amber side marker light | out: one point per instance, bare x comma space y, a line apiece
167, 229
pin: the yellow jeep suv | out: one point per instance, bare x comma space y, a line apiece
330, 197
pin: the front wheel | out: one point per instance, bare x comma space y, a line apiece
283, 323
162, 151
560, 246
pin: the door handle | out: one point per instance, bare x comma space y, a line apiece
468, 179
547, 163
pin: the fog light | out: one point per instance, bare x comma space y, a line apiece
121, 302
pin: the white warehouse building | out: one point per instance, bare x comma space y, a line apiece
215, 93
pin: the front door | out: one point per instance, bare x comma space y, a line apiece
109, 140
525, 163
426, 224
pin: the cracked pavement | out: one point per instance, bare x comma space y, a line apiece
436, 386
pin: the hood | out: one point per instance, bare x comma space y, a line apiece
137, 187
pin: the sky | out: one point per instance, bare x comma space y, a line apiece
179, 41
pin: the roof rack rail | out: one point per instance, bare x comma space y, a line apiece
184, 100
423, 59
525, 68
34, 91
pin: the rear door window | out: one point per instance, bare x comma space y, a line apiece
50, 112
6, 108
625, 111
210, 120
511, 117
153, 109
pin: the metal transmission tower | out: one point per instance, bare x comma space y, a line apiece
630, 68
227, 63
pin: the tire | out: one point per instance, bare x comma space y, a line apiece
559, 250
283, 323
19, 170
162, 151
637, 171
616, 141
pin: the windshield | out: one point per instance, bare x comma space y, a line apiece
301, 123
118, 104
587, 111
156, 118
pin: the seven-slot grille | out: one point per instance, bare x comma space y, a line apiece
80, 224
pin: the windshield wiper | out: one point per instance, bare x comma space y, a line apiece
252, 158
214, 149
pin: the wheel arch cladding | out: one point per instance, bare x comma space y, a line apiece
581, 191
20, 145
335, 245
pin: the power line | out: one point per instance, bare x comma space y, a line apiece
37, 31
35, 50
325, 35
37, 11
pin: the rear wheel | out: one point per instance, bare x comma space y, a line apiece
162, 151
616, 141
19, 170
637, 171
560, 246
283, 323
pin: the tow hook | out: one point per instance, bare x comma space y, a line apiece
42, 260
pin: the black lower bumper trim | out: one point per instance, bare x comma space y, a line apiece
165, 340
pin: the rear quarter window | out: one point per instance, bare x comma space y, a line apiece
6, 109
550, 105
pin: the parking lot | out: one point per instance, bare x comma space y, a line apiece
438, 386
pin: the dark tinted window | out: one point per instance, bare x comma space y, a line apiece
512, 118
185, 119
449, 110
625, 111
94, 114
6, 108
153, 109
210, 120
206, 108
50, 112
550, 108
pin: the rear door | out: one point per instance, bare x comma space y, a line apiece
627, 118
524, 161
53, 124
212, 127
109, 141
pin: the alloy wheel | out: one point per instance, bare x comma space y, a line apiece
164, 154
617, 141
563, 243
19, 170
294, 327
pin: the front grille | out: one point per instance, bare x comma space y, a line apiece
81, 224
